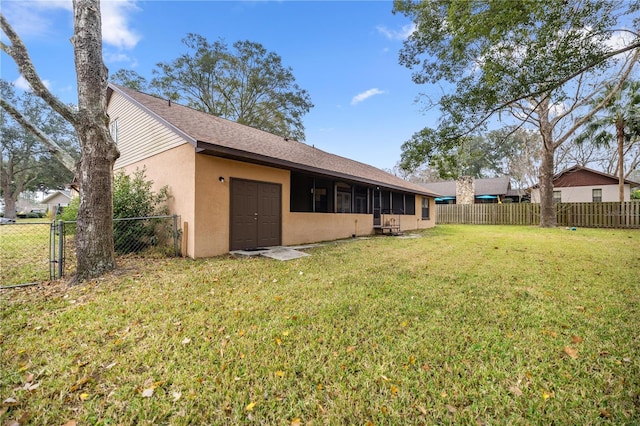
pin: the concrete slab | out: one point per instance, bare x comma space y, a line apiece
278, 253
285, 253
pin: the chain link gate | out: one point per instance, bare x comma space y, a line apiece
56, 250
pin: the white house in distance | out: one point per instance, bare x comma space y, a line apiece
579, 184
57, 198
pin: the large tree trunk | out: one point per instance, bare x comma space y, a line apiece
620, 135
94, 244
547, 207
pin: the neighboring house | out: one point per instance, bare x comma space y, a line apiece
236, 187
57, 199
579, 184
474, 191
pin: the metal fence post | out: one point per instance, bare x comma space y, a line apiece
60, 248
52, 250
175, 235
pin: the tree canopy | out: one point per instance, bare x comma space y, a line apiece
540, 62
27, 163
244, 83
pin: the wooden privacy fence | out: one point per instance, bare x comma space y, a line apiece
586, 215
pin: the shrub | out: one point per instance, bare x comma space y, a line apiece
132, 198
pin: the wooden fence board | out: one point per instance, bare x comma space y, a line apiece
585, 215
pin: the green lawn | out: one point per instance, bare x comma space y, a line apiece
24, 251
467, 325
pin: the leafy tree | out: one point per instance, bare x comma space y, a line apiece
94, 241
246, 84
518, 58
619, 120
27, 165
130, 79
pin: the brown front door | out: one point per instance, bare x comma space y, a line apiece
256, 214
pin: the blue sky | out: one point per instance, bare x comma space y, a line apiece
345, 54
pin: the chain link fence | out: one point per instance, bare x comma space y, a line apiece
24, 252
35, 252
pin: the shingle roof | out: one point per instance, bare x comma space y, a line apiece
219, 136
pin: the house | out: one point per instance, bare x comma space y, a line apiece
236, 187
579, 184
468, 190
57, 199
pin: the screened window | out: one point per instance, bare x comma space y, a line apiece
301, 193
361, 197
343, 198
596, 195
113, 129
425, 208
409, 204
557, 196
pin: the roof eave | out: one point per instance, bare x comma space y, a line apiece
251, 157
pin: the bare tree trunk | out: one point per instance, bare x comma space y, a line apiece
620, 135
547, 207
94, 244
95, 253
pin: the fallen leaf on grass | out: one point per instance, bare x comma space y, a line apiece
70, 423
451, 409
10, 402
422, 410
176, 396
296, 422
186, 341
31, 386
547, 395
515, 390
573, 353
280, 373
250, 406
576, 339
84, 396
351, 348
147, 393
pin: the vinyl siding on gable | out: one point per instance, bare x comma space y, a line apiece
140, 136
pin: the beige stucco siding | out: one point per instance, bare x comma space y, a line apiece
139, 136
212, 204
584, 194
176, 169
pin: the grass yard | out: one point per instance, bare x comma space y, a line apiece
24, 251
466, 325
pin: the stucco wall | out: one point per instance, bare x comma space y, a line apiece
176, 169
203, 202
584, 194
212, 204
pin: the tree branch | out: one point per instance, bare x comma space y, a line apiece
18, 52
554, 85
64, 158
614, 92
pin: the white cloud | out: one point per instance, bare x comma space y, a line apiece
115, 23
400, 34
33, 18
22, 84
365, 95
